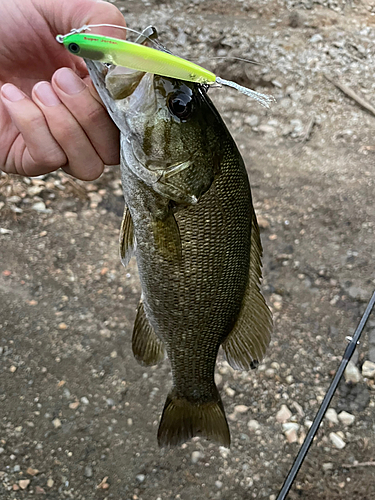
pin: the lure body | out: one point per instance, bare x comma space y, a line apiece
135, 56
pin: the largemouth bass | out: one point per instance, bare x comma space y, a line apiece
190, 222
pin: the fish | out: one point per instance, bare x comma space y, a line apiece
190, 222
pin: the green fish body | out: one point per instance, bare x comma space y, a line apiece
190, 222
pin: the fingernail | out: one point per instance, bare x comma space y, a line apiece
46, 95
12, 93
68, 81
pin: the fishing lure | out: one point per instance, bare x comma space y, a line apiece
142, 58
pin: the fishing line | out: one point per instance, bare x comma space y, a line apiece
353, 341
87, 27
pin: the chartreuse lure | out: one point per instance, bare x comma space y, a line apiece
142, 58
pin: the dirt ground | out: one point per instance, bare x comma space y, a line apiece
78, 415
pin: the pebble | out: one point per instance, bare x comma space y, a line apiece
252, 120
24, 483
337, 441
39, 206
368, 369
253, 425
218, 484
84, 400
327, 466
195, 456
31, 471
14, 199
316, 38
88, 471
263, 223
290, 425
140, 478
283, 414
241, 409
346, 418
50, 482
352, 374
230, 392
1, 450
56, 423
267, 129
290, 430
331, 416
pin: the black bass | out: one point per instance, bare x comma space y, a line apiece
190, 222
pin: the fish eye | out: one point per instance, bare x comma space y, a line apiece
180, 105
74, 48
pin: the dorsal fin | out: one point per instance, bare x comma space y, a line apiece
246, 345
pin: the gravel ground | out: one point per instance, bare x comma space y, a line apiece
78, 415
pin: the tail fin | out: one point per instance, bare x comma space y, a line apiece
181, 420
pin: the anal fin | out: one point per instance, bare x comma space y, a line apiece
127, 238
246, 345
148, 349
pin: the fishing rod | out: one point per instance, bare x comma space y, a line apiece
349, 351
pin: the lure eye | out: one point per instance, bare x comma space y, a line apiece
181, 105
74, 48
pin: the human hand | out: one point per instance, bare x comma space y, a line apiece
50, 113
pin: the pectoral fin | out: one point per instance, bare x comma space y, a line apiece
247, 343
148, 349
127, 238
167, 237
